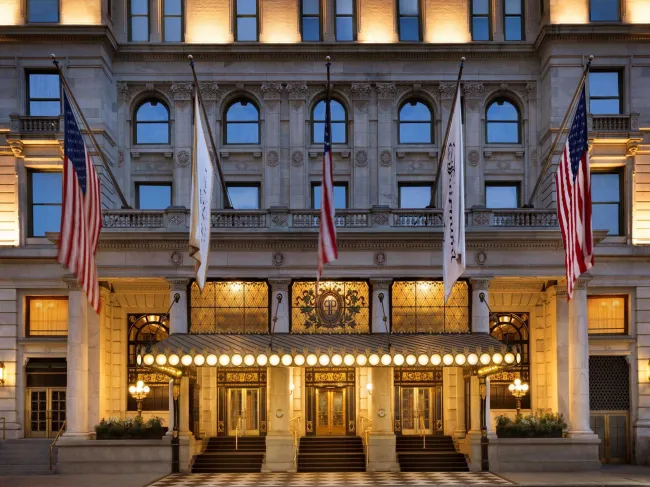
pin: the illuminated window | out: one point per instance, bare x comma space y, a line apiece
42, 11
501, 195
47, 316
607, 201
345, 20
45, 195
415, 123
244, 196
418, 307
480, 23
604, 11
230, 307
513, 20
338, 121
605, 89
138, 20
513, 330
340, 195
152, 123
409, 20
310, 20
153, 196
607, 315
415, 195
43, 94
246, 22
173, 28
502, 122
242, 123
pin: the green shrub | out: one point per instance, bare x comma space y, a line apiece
541, 425
130, 429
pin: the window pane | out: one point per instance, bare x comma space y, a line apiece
408, 7
338, 133
310, 7
480, 29
246, 7
244, 197
247, 29
48, 317
502, 111
480, 7
172, 7
415, 133
319, 132
311, 29
242, 133
414, 196
45, 108
46, 219
603, 10
606, 314
415, 112
513, 7
139, 7
173, 29
605, 188
140, 29
44, 86
502, 132
242, 111
513, 28
152, 111
43, 11
47, 187
603, 83
606, 217
344, 30
344, 7
501, 197
154, 197
152, 133
340, 196
337, 112
409, 29
604, 107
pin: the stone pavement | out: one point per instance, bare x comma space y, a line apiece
619, 475
99, 480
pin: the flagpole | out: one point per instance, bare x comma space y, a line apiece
443, 149
125, 204
549, 157
222, 181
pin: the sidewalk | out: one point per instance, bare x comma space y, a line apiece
620, 475
104, 480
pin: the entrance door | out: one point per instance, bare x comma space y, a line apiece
243, 412
612, 429
45, 411
330, 411
417, 410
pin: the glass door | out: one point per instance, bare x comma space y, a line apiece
45, 411
243, 412
417, 411
330, 412
612, 429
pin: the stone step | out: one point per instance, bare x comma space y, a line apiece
26, 470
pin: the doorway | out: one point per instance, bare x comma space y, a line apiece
417, 411
243, 412
330, 411
611, 427
45, 411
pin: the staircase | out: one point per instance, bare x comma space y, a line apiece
29, 456
220, 456
440, 455
331, 454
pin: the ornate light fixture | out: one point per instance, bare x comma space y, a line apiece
138, 392
2, 373
519, 390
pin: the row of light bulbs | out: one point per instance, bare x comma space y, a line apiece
325, 359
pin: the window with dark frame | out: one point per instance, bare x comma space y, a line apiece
154, 196
338, 121
415, 123
138, 20
244, 196
502, 122
607, 201
310, 20
340, 196
480, 20
607, 314
46, 316
345, 20
605, 97
43, 94
242, 123
604, 11
246, 20
152, 122
409, 20
173, 25
513, 20
45, 200
42, 11
415, 195
501, 195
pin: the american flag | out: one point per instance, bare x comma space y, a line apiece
81, 219
573, 186
327, 251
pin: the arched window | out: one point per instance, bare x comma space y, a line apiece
415, 125
242, 123
339, 123
513, 330
502, 122
152, 122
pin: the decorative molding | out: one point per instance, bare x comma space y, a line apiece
385, 158
380, 219
381, 284
297, 90
481, 257
473, 88
297, 158
279, 220
386, 91
473, 158
480, 283
123, 95
182, 91
209, 90
632, 147
271, 91
177, 220
272, 158
533, 157
176, 259
120, 158
380, 258
361, 91
72, 283
361, 158
278, 259
280, 284
177, 284
446, 89
183, 158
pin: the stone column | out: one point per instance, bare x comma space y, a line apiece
460, 404
362, 159
271, 92
184, 407
181, 141
96, 387
279, 440
480, 309
77, 362
170, 426
385, 173
178, 314
450, 413
280, 287
381, 441
293, 166
380, 286
557, 355
474, 177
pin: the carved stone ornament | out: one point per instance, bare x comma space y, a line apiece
297, 158
278, 259
380, 259
176, 259
182, 158
481, 257
271, 91
473, 158
386, 90
446, 89
182, 91
177, 220
385, 158
361, 158
209, 90
123, 95
533, 158
503, 165
361, 90
272, 158
297, 90
380, 219
120, 158
473, 88
279, 220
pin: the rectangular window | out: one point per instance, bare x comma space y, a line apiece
340, 196
246, 20
43, 94
501, 195
605, 92
244, 196
607, 314
153, 196
173, 28
45, 194
46, 316
345, 22
604, 11
310, 20
513, 20
480, 21
42, 11
415, 195
409, 20
138, 20
607, 198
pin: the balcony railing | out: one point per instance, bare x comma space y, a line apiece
34, 125
613, 124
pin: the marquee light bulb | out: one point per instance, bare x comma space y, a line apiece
211, 360
237, 359
186, 360
460, 359
337, 360
299, 360
286, 360
148, 359
362, 360
373, 359
509, 358
410, 359
161, 359
447, 359
324, 360
199, 360
312, 359
274, 359
174, 360
385, 359
224, 360
423, 359
398, 359
348, 360
249, 360
485, 358
497, 358
472, 359
262, 360
436, 359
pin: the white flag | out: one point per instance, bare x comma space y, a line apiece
453, 192
202, 176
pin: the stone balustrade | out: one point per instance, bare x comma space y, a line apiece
614, 123
34, 125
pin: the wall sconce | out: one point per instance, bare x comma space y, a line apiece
369, 388
291, 388
2, 373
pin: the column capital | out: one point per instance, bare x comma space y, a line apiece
279, 284
381, 284
582, 282
481, 283
177, 283
72, 283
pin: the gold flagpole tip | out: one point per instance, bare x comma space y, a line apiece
190, 57
328, 59
591, 57
462, 60
53, 56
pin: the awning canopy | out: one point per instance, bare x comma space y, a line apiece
330, 350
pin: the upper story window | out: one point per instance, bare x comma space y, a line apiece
409, 20
604, 11
152, 123
242, 123
138, 20
43, 94
338, 121
340, 196
173, 28
607, 201
42, 11
345, 20
244, 196
45, 193
246, 21
502, 122
154, 196
415, 195
46, 316
415, 125
605, 92
310, 20
480, 20
607, 314
513, 20
501, 195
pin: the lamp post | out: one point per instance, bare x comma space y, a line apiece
518, 390
138, 392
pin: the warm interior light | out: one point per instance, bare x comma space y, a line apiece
373, 359
161, 359
460, 359
509, 357
224, 360
337, 359
262, 360
2, 373
274, 359
286, 360
497, 358
132, 389
299, 360
236, 286
186, 360
312, 359
423, 359
237, 360
249, 360
485, 358
174, 360
411, 359
447, 359
199, 360
436, 359
398, 359
291, 388
324, 359
369, 387
385, 359
472, 359
211, 360
148, 359
348, 359
423, 285
362, 360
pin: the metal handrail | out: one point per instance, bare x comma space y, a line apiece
365, 432
296, 444
56, 439
237, 433
4, 427
424, 433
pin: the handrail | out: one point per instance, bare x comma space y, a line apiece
424, 433
4, 427
296, 444
365, 433
56, 439
237, 433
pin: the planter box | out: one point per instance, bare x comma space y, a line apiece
143, 434
505, 432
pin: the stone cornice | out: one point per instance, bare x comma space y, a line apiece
58, 34
602, 32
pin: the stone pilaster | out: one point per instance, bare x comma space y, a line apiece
361, 93
280, 287
272, 92
294, 167
178, 314
386, 172
279, 440
480, 309
557, 354
450, 412
460, 404
380, 287
182, 143
381, 441
96, 346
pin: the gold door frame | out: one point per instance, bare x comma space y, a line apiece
429, 423
243, 421
52, 419
606, 439
331, 429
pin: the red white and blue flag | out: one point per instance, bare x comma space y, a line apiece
81, 219
573, 186
327, 250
